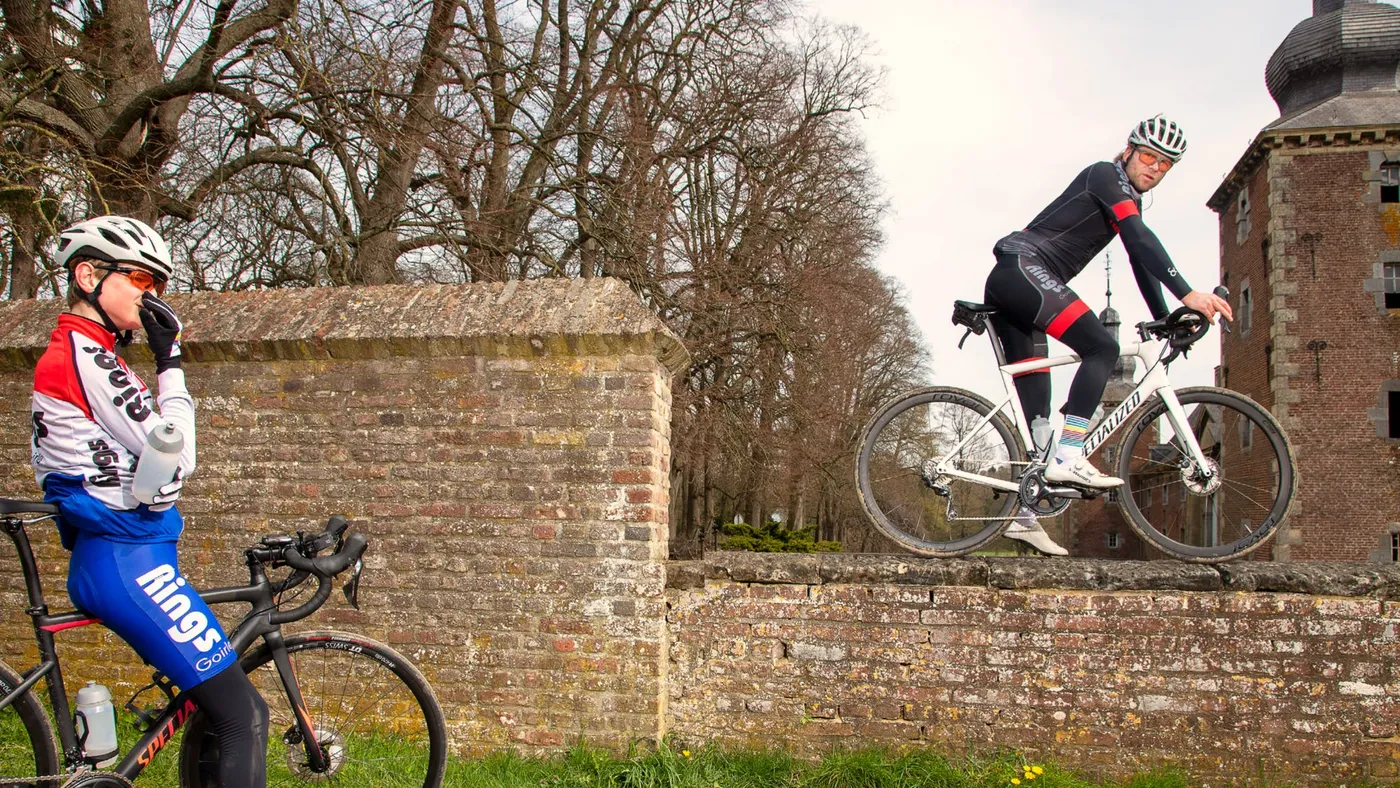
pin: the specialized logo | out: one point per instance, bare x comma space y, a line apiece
167, 733
1111, 422
1047, 281
160, 584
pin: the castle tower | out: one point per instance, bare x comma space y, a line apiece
1310, 249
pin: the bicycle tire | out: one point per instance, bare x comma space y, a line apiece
1002, 449
1256, 480
36, 757
347, 677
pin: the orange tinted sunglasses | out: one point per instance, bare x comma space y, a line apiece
143, 280
1149, 158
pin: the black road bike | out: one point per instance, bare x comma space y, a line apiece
345, 709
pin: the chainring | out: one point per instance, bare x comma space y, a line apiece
1035, 495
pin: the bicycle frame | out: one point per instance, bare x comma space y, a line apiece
264, 622
1149, 352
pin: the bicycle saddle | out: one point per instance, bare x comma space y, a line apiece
8, 506
973, 306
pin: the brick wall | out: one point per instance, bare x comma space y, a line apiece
505, 448
1108, 666
1318, 198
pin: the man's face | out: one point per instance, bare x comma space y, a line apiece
1146, 168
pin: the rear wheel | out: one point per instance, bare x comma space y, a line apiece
902, 489
374, 714
27, 746
1225, 510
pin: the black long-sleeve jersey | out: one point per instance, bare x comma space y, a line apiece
1099, 204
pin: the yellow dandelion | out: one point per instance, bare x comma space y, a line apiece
686, 753
1037, 770
1015, 781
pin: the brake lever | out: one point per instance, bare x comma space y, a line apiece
1223, 292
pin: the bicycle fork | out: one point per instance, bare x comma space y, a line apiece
316, 757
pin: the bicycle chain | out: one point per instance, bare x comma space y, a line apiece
90, 779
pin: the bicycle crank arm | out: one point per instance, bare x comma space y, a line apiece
1072, 492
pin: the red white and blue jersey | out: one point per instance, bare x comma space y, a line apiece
91, 414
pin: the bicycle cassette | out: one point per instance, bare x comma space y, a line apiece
1036, 495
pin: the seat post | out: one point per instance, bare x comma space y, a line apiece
15, 528
996, 343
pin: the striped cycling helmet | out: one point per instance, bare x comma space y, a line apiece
116, 239
1162, 135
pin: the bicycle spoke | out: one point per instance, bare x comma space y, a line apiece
1182, 508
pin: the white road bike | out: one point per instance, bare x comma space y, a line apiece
1208, 473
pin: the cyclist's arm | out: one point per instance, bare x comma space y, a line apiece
1146, 253
121, 403
1151, 291
1113, 193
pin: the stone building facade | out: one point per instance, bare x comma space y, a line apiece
1310, 249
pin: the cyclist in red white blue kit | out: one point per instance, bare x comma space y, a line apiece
1029, 286
91, 415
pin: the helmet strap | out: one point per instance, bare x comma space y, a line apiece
122, 338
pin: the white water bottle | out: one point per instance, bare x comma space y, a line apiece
1040, 433
160, 458
98, 721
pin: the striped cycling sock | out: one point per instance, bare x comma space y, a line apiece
1071, 445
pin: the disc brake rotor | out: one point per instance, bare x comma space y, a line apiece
1202, 481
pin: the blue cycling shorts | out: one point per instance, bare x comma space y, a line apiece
138, 592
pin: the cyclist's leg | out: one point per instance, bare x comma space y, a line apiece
1021, 285
1098, 351
1017, 305
238, 716
139, 593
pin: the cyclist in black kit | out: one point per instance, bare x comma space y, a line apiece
1029, 288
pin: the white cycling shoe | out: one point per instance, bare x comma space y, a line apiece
1080, 473
1034, 535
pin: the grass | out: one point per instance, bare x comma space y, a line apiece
674, 766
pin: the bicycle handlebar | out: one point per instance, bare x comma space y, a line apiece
321, 567
301, 556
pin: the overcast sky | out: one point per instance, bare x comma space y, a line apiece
990, 107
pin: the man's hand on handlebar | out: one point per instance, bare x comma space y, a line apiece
1208, 304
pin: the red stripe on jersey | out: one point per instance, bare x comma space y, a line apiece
56, 374
1066, 318
1125, 209
1030, 372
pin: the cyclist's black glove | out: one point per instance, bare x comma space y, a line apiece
162, 331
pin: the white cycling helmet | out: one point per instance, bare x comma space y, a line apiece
116, 239
1162, 135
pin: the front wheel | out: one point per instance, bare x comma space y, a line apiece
27, 747
374, 714
1224, 510
907, 452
